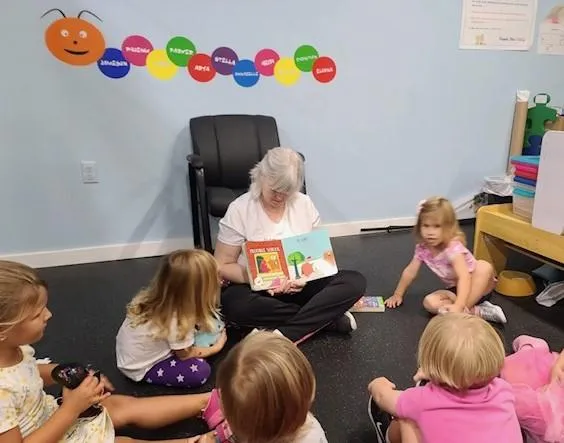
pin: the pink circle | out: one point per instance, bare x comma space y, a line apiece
135, 49
265, 61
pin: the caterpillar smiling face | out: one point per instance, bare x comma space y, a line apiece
74, 40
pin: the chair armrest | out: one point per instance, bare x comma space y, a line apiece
195, 161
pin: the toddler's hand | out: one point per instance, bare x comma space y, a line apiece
419, 376
394, 301
451, 308
204, 438
379, 384
222, 339
557, 374
90, 392
108, 385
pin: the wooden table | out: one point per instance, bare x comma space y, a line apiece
498, 230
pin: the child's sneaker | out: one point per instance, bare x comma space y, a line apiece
380, 420
490, 312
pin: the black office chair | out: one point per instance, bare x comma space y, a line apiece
224, 149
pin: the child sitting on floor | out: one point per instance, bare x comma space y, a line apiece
267, 387
441, 246
464, 401
28, 414
537, 378
174, 324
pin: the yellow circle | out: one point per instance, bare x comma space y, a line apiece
159, 65
285, 71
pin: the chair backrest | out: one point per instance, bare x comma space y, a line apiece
230, 145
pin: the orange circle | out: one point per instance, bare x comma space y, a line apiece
75, 41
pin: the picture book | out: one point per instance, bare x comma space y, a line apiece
302, 257
369, 303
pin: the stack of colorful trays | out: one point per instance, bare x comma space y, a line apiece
525, 172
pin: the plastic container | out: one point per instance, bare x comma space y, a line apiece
523, 202
498, 185
515, 284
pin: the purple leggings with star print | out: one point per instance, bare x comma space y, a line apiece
179, 373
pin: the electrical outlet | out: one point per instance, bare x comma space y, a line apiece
89, 170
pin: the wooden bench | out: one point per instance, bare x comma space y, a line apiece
498, 230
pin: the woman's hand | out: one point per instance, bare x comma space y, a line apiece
394, 301
288, 287
90, 392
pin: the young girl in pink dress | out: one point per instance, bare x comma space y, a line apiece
441, 245
537, 377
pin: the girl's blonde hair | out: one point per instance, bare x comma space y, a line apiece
441, 210
186, 288
19, 293
460, 351
266, 386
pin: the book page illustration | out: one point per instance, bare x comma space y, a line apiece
310, 256
266, 263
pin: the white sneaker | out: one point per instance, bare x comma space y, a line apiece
490, 312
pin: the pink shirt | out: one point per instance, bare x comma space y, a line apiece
484, 415
441, 264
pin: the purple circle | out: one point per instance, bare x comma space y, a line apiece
223, 60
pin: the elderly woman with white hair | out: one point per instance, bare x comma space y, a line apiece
274, 208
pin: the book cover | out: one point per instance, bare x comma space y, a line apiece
308, 256
369, 303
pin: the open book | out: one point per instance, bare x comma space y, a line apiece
301, 257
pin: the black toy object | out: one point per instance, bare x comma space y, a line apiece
71, 375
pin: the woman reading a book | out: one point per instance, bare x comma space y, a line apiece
274, 208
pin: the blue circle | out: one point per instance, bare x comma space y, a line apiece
113, 64
245, 73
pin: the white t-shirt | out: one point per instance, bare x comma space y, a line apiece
137, 349
312, 432
246, 220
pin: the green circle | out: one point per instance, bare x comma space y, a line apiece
179, 50
304, 57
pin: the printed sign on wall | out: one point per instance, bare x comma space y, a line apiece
77, 41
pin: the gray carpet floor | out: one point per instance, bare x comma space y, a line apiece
88, 304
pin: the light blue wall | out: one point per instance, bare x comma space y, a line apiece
409, 114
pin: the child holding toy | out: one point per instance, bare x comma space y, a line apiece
461, 356
28, 414
441, 246
267, 387
537, 377
172, 326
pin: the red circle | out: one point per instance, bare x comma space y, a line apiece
324, 69
200, 68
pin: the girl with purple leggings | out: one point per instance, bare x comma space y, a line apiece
172, 326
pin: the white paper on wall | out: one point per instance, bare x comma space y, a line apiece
551, 33
506, 25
